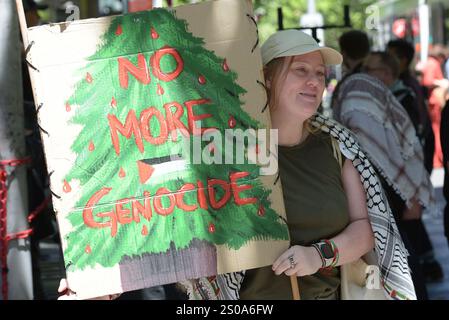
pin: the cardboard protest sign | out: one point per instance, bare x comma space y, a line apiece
139, 114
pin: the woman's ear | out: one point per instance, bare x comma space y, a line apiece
268, 83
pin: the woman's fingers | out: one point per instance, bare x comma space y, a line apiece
107, 297
298, 261
284, 266
64, 289
285, 263
283, 257
67, 297
63, 286
68, 294
291, 271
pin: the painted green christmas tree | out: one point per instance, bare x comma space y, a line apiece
148, 77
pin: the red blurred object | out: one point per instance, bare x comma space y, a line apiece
399, 28
139, 5
415, 26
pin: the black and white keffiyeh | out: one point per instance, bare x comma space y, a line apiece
384, 130
391, 252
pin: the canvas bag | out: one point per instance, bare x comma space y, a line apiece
359, 280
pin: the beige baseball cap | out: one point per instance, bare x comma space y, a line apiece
287, 43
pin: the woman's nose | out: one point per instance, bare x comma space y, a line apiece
313, 80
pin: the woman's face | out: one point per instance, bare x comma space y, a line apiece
301, 92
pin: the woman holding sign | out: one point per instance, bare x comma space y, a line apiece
336, 212
325, 204
331, 214
328, 209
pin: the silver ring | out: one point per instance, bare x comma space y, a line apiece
292, 261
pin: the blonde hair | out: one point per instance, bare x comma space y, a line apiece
275, 73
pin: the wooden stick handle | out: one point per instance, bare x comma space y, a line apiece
22, 22
295, 288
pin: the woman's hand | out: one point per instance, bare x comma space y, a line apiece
299, 261
68, 294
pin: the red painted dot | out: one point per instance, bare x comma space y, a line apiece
211, 147
89, 78
66, 188
119, 30
160, 90
113, 102
211, 228
225, 66
154, 34
144, 231
201, 79
257, 149
121, 173
91, 146
261, 211
147, 194
88, 250
231, 122
68, 108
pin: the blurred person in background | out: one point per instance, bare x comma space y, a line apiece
445, 147
383, 128
385, 67
405, 53
431, 70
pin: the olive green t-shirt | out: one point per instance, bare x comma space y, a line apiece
316, 208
